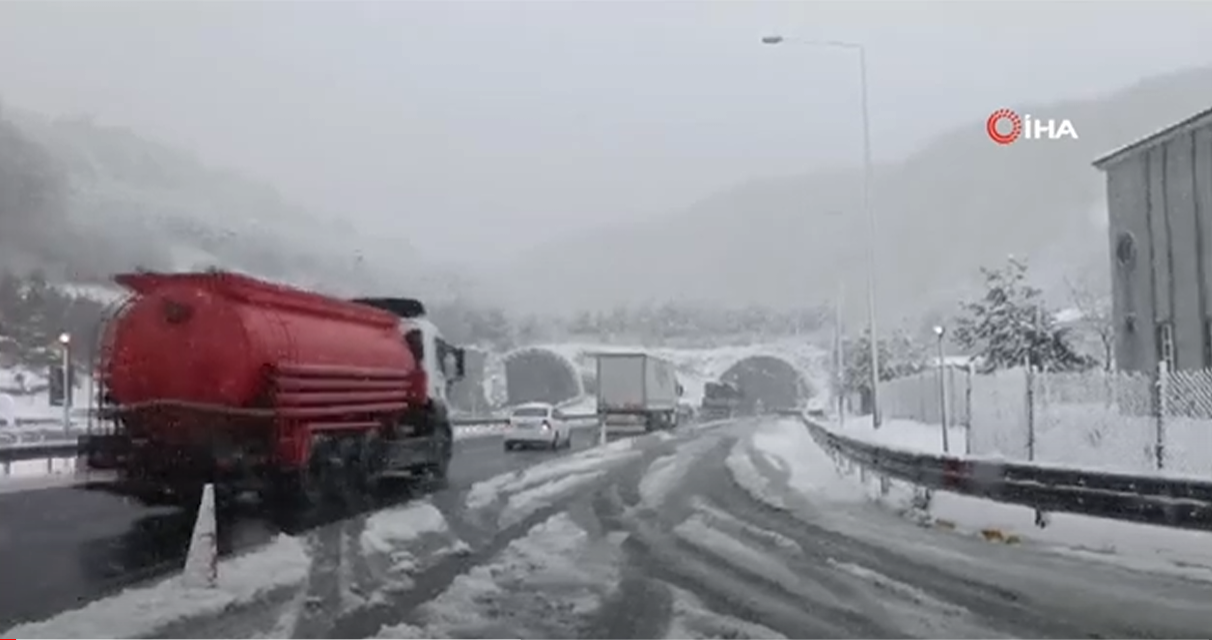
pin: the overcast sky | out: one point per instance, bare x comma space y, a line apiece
480, 128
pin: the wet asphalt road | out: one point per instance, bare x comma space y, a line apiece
63, 547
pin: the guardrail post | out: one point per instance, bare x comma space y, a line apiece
1162, 384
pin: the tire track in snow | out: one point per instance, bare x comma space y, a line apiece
547, 492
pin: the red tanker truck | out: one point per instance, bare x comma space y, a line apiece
221, 378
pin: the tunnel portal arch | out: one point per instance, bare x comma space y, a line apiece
774, 381
537, 374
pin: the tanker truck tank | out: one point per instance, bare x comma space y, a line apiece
222, 378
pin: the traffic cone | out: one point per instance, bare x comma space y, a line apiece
202, 559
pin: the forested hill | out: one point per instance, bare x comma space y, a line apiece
81, 200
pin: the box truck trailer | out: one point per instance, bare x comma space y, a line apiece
639, 385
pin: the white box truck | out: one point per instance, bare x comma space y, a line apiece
639, 385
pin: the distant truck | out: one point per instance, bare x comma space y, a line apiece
721, 401
640, 386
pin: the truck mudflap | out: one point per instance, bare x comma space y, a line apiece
104, 451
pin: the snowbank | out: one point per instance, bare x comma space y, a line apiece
1144, 547
140, 612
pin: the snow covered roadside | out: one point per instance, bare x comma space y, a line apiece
141, 611
390, 540
26, 481
904, 434
1143, 547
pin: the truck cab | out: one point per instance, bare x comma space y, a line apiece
442, 362
423, 437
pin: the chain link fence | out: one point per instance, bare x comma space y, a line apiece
919, 397
1108, 419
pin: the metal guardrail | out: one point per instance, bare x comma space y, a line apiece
1170, 502
67, 447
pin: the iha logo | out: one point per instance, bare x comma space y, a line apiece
1005, 126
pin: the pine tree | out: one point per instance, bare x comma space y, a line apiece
1010, 325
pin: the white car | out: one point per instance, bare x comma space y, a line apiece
537, 424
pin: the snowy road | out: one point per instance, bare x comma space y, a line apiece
63, 546
737, 530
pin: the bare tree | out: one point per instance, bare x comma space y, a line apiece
1095, 308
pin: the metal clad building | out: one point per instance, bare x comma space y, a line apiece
1159, 202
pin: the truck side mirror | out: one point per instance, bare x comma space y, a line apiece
460, 363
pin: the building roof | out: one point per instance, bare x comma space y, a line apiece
1156, 138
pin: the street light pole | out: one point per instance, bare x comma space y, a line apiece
941, 331
65, 341
868, 208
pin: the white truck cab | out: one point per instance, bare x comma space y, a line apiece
442, 362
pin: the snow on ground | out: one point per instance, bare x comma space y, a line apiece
390, 535
141, 611
32, 406
789, 447
745, 473
690, 618
664, 474
566, 577
904, 434
1146, 547
63, 473
529, 490
525, 503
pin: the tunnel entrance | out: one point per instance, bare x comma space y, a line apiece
540, 375
768, 379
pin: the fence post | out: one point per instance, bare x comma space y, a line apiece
1163, 379
1029, 373
968, 409
942, 402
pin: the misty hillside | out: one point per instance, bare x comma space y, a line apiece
81, 201
957, 204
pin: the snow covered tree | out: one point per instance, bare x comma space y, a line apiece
1096, 319
1010, 324
899, 356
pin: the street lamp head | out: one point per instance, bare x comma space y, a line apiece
939, 330
772, 39
65, 339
